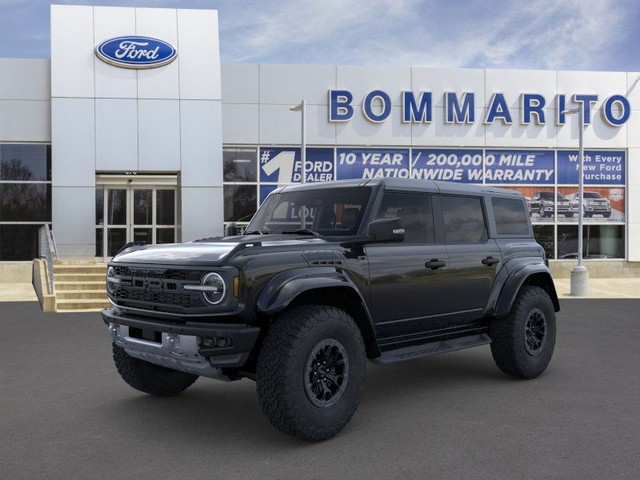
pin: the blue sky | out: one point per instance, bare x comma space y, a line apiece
534, 34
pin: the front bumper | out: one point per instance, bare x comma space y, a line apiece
597, 209
193, 347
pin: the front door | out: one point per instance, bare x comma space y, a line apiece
407, 280
135, 211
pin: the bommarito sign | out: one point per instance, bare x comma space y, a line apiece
459, 108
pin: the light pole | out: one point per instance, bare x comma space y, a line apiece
302, 107
580, 274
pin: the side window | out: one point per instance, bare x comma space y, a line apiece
415, 211
463, 219
511, 216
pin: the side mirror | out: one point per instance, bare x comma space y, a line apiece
386, 230
232, 230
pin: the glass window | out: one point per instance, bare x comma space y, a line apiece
18, 242
142, 206
25, 202
463, 219
117, 206
99, 242
239, 202
545, 237
29, 163
165, 235
415, 211
239, 164
100, 207
331, 212
511, 216
143, 235
599, 241
165, 207
116, 239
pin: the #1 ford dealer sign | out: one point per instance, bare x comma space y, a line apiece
136, 52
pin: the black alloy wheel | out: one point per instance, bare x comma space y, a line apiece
535, 331
327, 373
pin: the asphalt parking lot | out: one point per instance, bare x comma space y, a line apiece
65, 413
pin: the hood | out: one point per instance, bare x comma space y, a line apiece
178, 253
214, 252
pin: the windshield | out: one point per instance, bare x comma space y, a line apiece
592, 195
326, 212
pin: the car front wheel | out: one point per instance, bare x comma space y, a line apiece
310, 371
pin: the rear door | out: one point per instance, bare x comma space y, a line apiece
473, 258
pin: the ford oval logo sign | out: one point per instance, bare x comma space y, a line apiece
136, 52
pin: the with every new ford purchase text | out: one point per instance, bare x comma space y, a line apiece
325, 277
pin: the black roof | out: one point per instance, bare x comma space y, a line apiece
407, 184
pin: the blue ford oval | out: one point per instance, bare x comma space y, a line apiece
136, 52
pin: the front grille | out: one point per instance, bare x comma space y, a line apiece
156, 289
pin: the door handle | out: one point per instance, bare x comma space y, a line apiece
489, 261
435, 264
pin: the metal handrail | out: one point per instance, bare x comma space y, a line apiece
48, 250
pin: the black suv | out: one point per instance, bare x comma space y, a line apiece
325, 277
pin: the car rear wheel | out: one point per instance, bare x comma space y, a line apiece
310, 371
522, 343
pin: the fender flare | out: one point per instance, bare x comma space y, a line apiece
286, 286
519, 274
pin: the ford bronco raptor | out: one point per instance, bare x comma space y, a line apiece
325, 277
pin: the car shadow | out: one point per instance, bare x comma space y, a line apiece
231, 413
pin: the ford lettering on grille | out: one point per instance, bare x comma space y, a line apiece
136, 52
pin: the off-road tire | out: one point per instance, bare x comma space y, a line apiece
150, 378
508, 341
282, 371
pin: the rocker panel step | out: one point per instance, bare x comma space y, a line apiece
432, 348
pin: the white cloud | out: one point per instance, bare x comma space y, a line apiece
546, 34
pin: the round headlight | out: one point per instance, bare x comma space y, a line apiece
112, 280
213, 288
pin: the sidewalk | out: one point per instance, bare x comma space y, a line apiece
602, 288
17, 292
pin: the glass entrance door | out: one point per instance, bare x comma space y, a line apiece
127, 213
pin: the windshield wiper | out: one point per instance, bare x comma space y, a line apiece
303, 231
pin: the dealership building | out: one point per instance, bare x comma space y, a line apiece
134, 131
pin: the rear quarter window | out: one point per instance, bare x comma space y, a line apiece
511, 216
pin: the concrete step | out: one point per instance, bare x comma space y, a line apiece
64, 305
99, 285
79, 277
81, 294
80, 269
81, 310
77, 262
